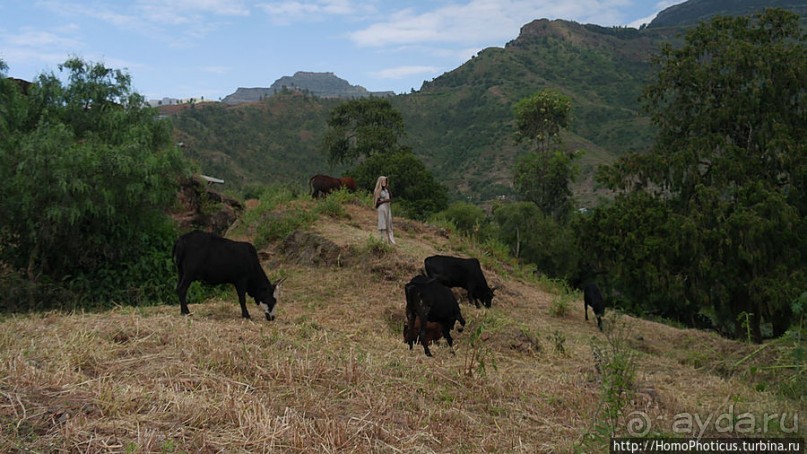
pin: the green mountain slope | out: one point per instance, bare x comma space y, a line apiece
273, 141
694, 11
461, 123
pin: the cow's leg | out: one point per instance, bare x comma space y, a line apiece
447, 335
585, 308
182, 292
410, 328
422, 336
599, 322
240, 287
473, 300
424, 320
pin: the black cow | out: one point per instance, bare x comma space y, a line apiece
459, 272
430, 300
592, 297
209, 258
322, 185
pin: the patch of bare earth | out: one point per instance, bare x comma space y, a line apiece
332, 374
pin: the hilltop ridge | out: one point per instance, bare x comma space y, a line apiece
321, 84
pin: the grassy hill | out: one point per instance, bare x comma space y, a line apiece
332, 373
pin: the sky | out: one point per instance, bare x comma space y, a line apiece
206, 49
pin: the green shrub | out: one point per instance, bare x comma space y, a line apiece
279, 225
466, 218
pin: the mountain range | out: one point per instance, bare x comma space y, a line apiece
461, 123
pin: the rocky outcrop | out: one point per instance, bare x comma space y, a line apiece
204, 208
323, 85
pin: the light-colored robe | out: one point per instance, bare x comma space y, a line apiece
384, 213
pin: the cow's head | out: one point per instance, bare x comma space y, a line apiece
267, 299
487, 297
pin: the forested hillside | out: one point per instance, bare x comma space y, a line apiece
461, 123
694, 11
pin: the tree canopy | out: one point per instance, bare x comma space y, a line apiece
362, 128
541, 117
717, 221
86, 172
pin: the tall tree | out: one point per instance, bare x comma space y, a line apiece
543, 176
361, 128
725, 181
86, 172
541, 117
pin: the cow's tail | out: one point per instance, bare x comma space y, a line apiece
585, 307
176, 255
311, 186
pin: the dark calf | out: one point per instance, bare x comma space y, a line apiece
434, 332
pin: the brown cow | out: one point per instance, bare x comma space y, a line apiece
434, 332
322, 185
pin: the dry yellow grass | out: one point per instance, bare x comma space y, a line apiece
332, 374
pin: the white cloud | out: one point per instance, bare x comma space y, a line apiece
404, 71
183, 11
479, 21
662, 5
42, 39
645, 20
288, 11
216, 69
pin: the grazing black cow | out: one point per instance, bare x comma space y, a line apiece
431, 301
592, 297
459, 272
209, 258
322, 185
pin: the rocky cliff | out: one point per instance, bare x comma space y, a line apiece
323, 85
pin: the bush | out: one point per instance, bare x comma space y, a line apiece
537, 238
468, 219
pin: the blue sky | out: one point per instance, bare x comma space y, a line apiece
209, 48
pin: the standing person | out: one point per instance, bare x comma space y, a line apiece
382, 198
